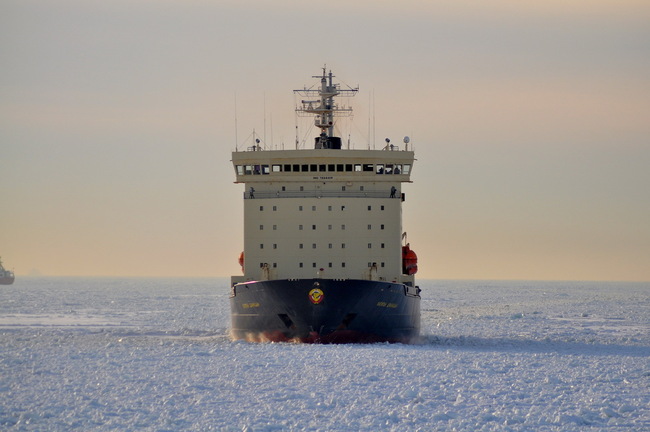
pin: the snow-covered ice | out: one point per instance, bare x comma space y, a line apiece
154, 355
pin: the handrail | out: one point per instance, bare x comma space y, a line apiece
321, 194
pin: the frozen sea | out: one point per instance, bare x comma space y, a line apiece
154, 355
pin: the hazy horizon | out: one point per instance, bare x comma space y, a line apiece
530, 124
227, 278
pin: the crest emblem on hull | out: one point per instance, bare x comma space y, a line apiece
316, 295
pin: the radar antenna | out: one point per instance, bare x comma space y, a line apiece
324, 108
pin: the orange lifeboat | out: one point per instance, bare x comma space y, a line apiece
241, 261
409, 260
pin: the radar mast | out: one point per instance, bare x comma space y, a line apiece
325, 109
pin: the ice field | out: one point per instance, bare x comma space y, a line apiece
154, 355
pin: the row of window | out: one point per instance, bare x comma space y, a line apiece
330, 265
313, 208
313, 246
357, 167
313, 227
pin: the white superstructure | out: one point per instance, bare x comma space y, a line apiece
325, 212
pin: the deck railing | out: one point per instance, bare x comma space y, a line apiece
321, 194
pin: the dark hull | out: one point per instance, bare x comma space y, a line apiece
6, 280
325, 311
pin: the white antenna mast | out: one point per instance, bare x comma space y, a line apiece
374, 122
369, 120
236, 134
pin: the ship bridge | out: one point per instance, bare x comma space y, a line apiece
384, 166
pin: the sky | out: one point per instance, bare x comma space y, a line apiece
530, 123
